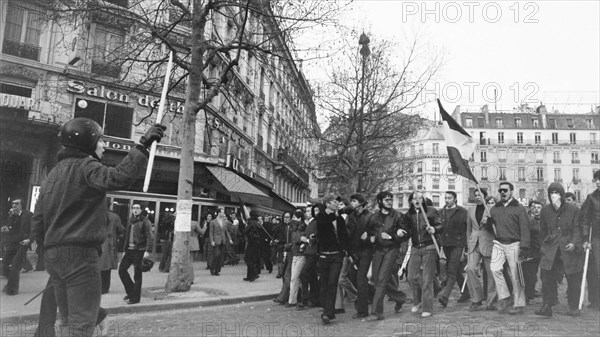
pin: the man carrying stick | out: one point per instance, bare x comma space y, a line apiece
589, 217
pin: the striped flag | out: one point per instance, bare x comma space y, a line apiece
460, 145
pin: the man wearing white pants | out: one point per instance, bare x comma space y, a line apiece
511, 244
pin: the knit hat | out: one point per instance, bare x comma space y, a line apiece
359, 197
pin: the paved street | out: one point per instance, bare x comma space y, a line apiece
266, 318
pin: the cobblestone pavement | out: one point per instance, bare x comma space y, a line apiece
269, 319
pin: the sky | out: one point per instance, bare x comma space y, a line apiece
525, 51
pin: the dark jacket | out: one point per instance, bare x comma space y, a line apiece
589, 216
414, 223
328, 239
298, 229
71, 207
142, 233
252, 233
512, 223
358, 224
534, 239
109, 259
558, 228
311, 230
19, 227
454, 226
387, 223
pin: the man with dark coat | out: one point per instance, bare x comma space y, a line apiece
138, 245
109, 259
218, 236
71, 215
388, 235
562, 240
308, 275
589, 217
17, 229
252, 255
453, 240
532, 263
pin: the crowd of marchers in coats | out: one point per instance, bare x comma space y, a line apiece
339, 250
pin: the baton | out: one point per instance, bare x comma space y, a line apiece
585, 267
462, 290
38, 294
159, 116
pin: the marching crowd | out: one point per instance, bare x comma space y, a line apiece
493, 252
332, 250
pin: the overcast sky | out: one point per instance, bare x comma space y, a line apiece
529, 51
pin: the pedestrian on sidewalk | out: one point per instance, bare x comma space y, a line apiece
207, 247
14, 250
109, 259
71, 214
165, 232
252, 233
284, 293
589, 217
561, 249
298, 230
308, 275
194, 243
138, 236
218, 236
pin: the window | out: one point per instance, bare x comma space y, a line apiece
436, 200
420, 148
436, 182
502, 156
556, 158
484, 173
499, 123
535, 123
570, 123
589, 123
522, 193
500, 137
483, 156
573, 138
576, 179
420, 182
22, 31
557, 175
469, 122
593, 138
521, 173
452, 182
539, 157
412, 150
540, 174
115, 119
519, 137
574, 157
420, 166
555, 138
502, 173
106, 51
518, 122
480, 122
552, 123
578, 195
436, 166
400, 200
435, 148
595, 157
538, 138
521, 156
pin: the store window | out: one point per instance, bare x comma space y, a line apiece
22, 32
116, 120
9, 107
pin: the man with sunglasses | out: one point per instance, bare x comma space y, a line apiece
511, 245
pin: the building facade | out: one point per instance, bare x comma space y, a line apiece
251, 147
532, 148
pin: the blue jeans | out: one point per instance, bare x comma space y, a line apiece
75, 276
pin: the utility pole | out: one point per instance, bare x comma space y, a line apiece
363, 41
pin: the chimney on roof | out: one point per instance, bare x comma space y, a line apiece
486, 113
543, 111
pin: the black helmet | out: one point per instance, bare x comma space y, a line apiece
80, 133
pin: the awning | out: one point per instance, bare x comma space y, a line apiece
238, 186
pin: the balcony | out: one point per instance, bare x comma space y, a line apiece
575, 161
576, 181
484, 178
286, 159
106, 69
539, 161
502, 160
23, 50
259, 142
521, 179
558, 180
557, 161
595, 162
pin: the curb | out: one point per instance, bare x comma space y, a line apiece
129, 309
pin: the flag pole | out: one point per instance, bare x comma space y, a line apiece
585, 267
159, 116
487, 209
435, 243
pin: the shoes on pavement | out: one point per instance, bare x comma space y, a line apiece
465, 297
130, 301
573, 313
475, 306
516, 311
340, 311
359, 316
375, 317
326, 319
503, 305
398, 306
126, 298
443, 301
544, 310
490, 308
290, 305
301, 306
415, 308
426, 314
27, 270
279, 276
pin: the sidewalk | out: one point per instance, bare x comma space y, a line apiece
207, 290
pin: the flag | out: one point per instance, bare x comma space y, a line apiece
243, 211
460, 145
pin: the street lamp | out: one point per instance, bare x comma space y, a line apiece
363, 41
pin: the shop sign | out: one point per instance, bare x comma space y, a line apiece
78, 87
161, 151
19, 102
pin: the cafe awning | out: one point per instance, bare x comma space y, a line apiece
238, 186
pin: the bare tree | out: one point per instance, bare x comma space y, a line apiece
372, 107
211, 41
